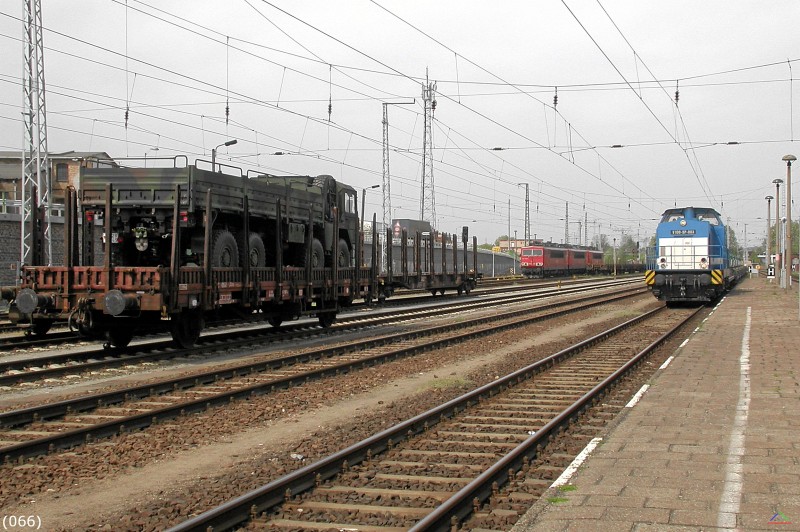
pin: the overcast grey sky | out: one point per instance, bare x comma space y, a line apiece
276, 65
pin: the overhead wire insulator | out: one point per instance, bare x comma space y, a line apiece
555, 98
677, 93
127, 113
227, 113
330, 91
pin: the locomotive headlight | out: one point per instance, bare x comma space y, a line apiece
662, 263
704, 263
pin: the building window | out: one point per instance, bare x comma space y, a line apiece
62, 172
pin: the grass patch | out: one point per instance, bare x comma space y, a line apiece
567, 487
556, 500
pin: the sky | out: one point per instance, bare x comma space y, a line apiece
609, 157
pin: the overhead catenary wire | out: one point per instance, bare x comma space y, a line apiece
570, 151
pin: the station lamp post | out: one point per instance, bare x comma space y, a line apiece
363, 203
788, 235
214, 153
768, 257
778, 227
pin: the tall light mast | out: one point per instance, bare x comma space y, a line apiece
427, 202
387, 180
36, 245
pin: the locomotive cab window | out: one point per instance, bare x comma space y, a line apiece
531, 252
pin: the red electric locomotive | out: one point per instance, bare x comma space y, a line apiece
551, 260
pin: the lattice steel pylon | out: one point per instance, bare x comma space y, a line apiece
427, 200
527, 215
36, 245
566, 224
387, 194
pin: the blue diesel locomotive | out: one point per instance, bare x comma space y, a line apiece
691, 261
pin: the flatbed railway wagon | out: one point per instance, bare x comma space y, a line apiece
182, 245
691, 261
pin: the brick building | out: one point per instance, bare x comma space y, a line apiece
64, 171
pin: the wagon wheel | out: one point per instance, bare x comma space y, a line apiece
326, 319
186, 328
119, 337
40, 327
275, 321
224, 252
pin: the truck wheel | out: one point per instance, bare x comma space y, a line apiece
258, 254
317, 254
343, 255
224, 251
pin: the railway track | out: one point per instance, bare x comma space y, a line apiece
53, 365
476, 462
45, 428
60, 334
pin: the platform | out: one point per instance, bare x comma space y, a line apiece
714, 442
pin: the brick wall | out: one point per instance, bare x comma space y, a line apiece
10, 246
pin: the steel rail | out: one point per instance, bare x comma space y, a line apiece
77, 436
242, 508
18, 371
61, 336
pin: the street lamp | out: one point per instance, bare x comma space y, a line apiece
769, 224
615, 256
788, 234
363, 201
214, 153
778, 225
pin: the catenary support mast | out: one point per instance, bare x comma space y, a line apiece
36, 246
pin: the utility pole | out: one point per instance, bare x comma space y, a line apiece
527, 230
387, 195
566, 225
427, 201
36, 247
585, 229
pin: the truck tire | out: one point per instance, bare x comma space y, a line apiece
257, 258
343, 255
317, 254
224, 251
